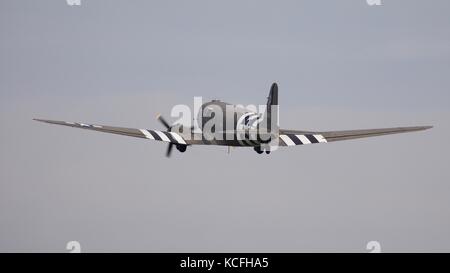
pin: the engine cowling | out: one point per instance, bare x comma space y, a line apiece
182, 148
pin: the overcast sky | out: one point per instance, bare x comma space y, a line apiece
339, 65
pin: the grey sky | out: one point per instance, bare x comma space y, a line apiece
339, 65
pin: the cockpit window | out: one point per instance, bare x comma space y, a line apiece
208, 111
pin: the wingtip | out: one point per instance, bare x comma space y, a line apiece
44, 120
421, 128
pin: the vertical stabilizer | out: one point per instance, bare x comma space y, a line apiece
272, 109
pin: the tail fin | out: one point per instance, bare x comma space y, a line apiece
272, 99
272, 108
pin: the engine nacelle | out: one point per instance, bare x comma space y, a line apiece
182, 148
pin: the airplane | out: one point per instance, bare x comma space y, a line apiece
248, 129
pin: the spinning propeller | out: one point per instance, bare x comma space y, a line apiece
169, 128
180, 147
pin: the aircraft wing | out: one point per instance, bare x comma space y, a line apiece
295, 137
164, 136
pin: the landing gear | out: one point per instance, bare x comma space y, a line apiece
260, 151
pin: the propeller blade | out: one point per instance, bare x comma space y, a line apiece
163, 121
169, 149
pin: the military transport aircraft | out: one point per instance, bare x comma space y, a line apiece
248, 129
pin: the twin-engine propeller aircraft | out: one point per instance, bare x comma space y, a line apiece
225, 124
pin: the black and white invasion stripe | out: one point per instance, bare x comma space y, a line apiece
292, 140
163, 136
